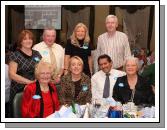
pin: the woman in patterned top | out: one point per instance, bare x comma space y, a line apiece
22, 65
76, 86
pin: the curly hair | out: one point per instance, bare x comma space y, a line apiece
42, 65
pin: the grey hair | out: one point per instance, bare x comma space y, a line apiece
132, 58
50, 29
112, 16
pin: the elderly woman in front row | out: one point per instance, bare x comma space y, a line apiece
76, 86
40, 98
132, 87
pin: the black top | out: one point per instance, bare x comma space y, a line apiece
26, 65
73, 50
78, 87
143, 91
25, 68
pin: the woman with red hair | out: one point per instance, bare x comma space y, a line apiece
22, 65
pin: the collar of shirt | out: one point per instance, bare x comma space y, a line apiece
113, 73
46, 46
111, 35
104, 74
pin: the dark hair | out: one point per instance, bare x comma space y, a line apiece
7, 54
104, 56
22, 35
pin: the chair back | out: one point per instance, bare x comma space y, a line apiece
17, 105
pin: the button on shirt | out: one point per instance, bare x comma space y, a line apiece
43, 49
98, 81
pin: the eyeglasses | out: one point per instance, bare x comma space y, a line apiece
45, 73
131, 65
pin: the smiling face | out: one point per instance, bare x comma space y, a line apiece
111, 24
44, 75
27, 42
43, 72
49, 37
76, 66
105, 65
131, 67
25, 39
80, 33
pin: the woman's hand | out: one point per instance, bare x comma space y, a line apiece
56, 79
65, 71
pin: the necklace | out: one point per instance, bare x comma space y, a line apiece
85, 46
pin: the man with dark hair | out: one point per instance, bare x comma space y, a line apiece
104, 56
103, 81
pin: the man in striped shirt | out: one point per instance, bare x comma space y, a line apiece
113, 43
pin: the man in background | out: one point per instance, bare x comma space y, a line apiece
52, 53
113, 43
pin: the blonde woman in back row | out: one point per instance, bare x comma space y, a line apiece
79, 45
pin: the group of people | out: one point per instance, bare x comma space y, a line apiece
37, 70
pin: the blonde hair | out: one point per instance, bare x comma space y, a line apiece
42, 65
73, 37
131, 58
77, 58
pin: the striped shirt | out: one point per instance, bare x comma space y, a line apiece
116, 46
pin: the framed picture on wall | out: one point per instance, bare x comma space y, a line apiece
52, 14
42, 16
